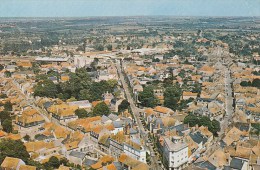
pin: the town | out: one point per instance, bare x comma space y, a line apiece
121, 93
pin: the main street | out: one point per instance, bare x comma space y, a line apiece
228, 102
136, 112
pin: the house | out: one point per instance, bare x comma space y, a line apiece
64, 113
134, 149
238, 164
187, 95
138, 88
64, 78
77, 157
29, 118
116, 147
24, 63
130, 163
27, 167
103, 162
82, 104
175, 153
11, 163
62, 167
163, 111
41, 150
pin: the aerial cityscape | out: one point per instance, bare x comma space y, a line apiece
151, 92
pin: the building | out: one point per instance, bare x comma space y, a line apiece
10, 163
175, 153
29, 118
64, 113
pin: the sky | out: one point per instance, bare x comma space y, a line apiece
85, 8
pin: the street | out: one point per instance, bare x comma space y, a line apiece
229, 103
136, 111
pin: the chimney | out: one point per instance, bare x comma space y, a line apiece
196, 127
258, 160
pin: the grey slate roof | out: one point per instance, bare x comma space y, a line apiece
133, 131
207, 165
113, 117
104, 119
118, 165
89, 162
77, 154
198, 137
236, 163
118, 124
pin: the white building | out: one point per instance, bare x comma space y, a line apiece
175, 153
135, 151
81, 61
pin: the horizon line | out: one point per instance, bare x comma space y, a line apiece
100, 16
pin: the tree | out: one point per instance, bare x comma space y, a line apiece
215, 127
7, 125
45, 88
256, 128
156, 60
1, 67
54, 162
81, 113
205, 121
244, 83
8, 106
112, 83
109, 47
101, 109
4, 115
172, 96
8, 74
3, 96
99, 47
13, 148
123, 106
256, 83
147, 97
191, 119
26, 137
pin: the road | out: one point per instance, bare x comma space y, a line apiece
229, 103
136, 112
31, 103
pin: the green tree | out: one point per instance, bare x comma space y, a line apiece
112, 83
1, 67
3, 96
8, 106
13, 148
123, 106
256, 128
45, 88
256, 83
7, 125
4, 115
172, 96
54, 162
205, 121
215, 127
244, 84
109, 47
99, 47
192, 120
8, 74
85, 95
81, 113
26, 137
101, 109
147, 97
